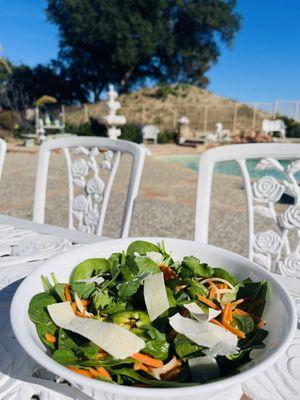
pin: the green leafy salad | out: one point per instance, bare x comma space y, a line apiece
140, 318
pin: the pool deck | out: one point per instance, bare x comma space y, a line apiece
165, 206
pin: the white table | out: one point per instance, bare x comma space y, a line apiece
23, 247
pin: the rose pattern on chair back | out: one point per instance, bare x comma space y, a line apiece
89, 185
274, 250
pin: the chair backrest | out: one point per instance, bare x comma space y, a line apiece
276, 250
150, 131
89, 191
273, 125
3, 147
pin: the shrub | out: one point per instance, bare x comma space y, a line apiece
166, 136
81, 130
7, 120
292, 127
132, 132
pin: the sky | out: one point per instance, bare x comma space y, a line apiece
263, 65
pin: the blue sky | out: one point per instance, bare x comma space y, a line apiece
263, 65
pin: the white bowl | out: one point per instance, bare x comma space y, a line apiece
280, 316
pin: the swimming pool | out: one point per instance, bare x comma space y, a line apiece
226, 167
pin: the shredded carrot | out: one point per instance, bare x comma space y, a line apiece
216, 322
81, 371
80, 314
235, 331
104, 373
50, 338
227, 317
260, 324
152, 362
85, 303
221, 285
74, 306
168, 272
212, 292
238, 311
227, 313
138, 366
208, 302
67, 292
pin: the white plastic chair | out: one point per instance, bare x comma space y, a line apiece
270, 126
3, 147
150, 132
272, 249
88, 192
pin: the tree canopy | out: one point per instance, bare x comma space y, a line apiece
126, 42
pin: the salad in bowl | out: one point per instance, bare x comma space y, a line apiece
141, 317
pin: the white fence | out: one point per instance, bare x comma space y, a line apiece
203, 117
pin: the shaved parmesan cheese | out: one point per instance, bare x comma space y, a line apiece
114, 339
61, 314
199, 314
154, 256
94, 279
156, 372
202, 333
203, 368
155, 295
221, 349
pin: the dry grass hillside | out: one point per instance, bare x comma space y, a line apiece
164, 105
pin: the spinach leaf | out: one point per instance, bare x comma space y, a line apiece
243, 322
88, 268
221, 273
38, 308
66, 340
196, 288
115, 307
141, 247
106, 362
256, 292
157, 346
116, 260
60, 290
65, 356
253, 339
136, 377
145, 265
191, 266
84, 290
48, 328
185, 348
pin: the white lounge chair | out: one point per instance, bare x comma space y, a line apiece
270, 126
150, 132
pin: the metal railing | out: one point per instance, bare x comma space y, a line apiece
202, 117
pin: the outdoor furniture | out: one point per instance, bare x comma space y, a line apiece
270, 126
92, 163
150, 132
24, 245
3, 147
274, 249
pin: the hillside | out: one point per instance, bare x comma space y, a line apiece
164, 105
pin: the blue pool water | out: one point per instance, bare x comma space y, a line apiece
227, 167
